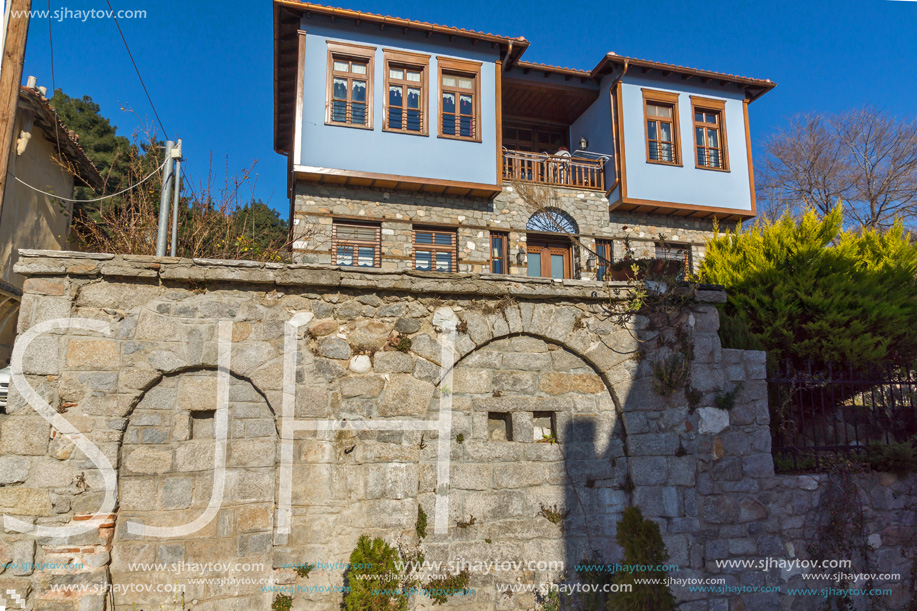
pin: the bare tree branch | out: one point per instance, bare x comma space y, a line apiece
864, 157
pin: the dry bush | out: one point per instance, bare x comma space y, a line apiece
215, 220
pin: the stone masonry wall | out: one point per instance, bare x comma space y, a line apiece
535, 361
316, 206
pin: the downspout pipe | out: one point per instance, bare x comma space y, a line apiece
614, 126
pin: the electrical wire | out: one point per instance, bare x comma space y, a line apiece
86, 201
136, 69
53, 85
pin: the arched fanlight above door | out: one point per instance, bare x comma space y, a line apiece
552, 220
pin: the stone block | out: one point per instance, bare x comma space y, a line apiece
176, 493
84, 353
392, 481
194, 456
21, 501
312, 402
14, 469
334, 348
471, 381
405, 395
362, 386
653, 444
470, 476
393, 361
149, 460
649, 470
250, 486
512, 381
152, 326
561, 383
712, 420
137, 493
24, 435
42, 357
252, 452
254, 518
758, 466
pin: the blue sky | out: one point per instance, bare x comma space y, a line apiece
209, 66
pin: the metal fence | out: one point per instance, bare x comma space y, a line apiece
821, 412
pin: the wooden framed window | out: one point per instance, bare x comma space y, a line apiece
406, 92
660, 114
356, 244
603, 259
459, 99
499, 252
349, 95
710, 133
435, 250
549, 258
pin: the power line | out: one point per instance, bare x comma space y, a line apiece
53, 85
136, 69
86, 201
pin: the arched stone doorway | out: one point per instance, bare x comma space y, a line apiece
167, 478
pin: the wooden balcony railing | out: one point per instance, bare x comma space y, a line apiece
555, 170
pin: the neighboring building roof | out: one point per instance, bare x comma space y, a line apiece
46, 118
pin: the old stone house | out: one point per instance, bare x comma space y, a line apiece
404, 141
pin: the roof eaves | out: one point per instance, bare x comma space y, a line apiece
518, 42
612, 58
86, 170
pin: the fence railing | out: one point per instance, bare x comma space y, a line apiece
820, 413
555, 170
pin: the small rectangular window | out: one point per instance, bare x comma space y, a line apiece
544, 426
350, 91
435, 250
460, 104
499, 426
202, 424
660, 110
356, 245
709, 133
499, 252
603, 259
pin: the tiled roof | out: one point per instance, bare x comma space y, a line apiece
614, 58
321, 9
46, 117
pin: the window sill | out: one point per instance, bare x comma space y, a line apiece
405, 132
676, 164
704, 167
351, 126
462, 138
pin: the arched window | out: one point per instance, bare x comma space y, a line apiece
553, 220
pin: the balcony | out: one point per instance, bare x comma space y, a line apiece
555, 170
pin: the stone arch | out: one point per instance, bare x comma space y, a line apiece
166, 479
513, 486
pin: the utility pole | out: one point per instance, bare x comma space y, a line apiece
10, 78
164, 197
175, 201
